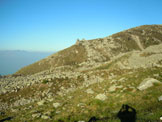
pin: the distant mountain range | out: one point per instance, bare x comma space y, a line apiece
13, 60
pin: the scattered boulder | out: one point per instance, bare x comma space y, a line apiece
50, 99
147, 83
56, 105
160, 98
90, 91
36, 115
45, 117
161, 118
114, 87
40, 103
122, 79
101, 97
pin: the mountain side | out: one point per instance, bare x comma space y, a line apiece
87, 53
70, 56
93, 84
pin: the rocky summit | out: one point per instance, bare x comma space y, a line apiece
90, 79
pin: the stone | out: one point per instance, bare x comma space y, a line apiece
90, 91
36, 115
114, 87
47, 113
161, 118
40, 103
160, 98
156, 75
45, 117
56, 105
147, 83
122, 79
50, 99
101, 97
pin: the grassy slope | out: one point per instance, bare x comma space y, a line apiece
148, 35
65, 57
145, 102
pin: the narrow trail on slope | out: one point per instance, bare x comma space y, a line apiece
137, 40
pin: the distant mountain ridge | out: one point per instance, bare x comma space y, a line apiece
92, 52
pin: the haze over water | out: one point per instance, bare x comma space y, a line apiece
11, 61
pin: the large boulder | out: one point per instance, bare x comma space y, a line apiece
147, 83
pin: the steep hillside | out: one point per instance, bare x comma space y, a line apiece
92, 52
93, 78
70, 56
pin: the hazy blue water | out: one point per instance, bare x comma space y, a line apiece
11, 61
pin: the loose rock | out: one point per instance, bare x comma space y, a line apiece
45, 117
56, 105
147, 83
160, 98
36, 115
90, 91
101, 97
40, 103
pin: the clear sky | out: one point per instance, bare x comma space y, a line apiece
52, 25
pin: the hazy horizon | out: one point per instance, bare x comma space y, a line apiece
11, 61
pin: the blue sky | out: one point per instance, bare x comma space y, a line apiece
52, 25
